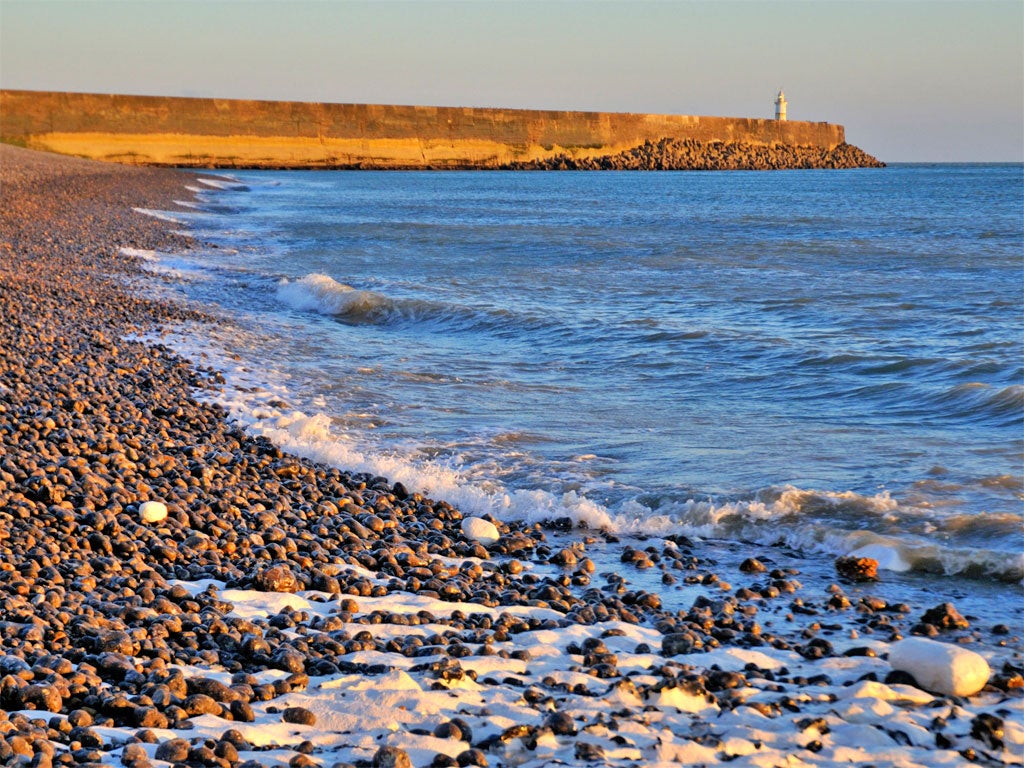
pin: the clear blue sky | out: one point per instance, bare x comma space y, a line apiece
911, 81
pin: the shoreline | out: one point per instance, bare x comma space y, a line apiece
276, 584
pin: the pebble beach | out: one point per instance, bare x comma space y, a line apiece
177, 590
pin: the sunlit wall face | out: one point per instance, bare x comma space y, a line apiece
911, 81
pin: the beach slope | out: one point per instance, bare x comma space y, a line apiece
175, 591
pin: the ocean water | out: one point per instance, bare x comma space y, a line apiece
831, 360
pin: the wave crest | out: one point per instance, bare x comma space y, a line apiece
321, 293
979, 400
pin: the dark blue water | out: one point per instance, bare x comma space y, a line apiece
829, 358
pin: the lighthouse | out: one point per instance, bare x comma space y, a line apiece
780, 106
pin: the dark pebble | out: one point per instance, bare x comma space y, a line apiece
298, 715
391, 757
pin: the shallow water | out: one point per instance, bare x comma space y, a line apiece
828, 359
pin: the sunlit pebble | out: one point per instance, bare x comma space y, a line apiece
940, 667
153, 512
480, 530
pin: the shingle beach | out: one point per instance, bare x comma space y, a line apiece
175, 590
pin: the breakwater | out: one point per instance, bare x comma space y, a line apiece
234, 133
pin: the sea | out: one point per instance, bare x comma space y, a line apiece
831, 362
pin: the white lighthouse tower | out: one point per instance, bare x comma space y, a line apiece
780, 106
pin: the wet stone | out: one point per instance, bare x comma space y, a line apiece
200, 704
215, 689
448, 730
945, 616
42, 697
679, 643
857, 568
752, 565
242, 711
87, 737
133, 753
588, 752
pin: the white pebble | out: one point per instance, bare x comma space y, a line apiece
480, 530
153, 511
940, 667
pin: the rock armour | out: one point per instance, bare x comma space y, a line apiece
690, 155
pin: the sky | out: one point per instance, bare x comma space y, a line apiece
923, 81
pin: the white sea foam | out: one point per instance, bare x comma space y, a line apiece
162, 215
318, 292
165, 264
174, 217
140, 253
226, 182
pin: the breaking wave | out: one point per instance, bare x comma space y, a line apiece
900, 537
323, 294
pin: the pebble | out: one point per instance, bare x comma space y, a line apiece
945, 616
988, 728
857, 568
173, 750
561, 724
153, 512
940, 667
391, 757
298, 715
752, 565
472, 757
448, 730
278, 578
480, 530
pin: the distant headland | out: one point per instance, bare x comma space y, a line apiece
234, 133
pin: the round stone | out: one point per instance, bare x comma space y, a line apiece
391, 757
480, 530
940, 667
299, 716
173, 750
153, 512
561, 724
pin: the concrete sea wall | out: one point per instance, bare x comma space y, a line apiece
233, 133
